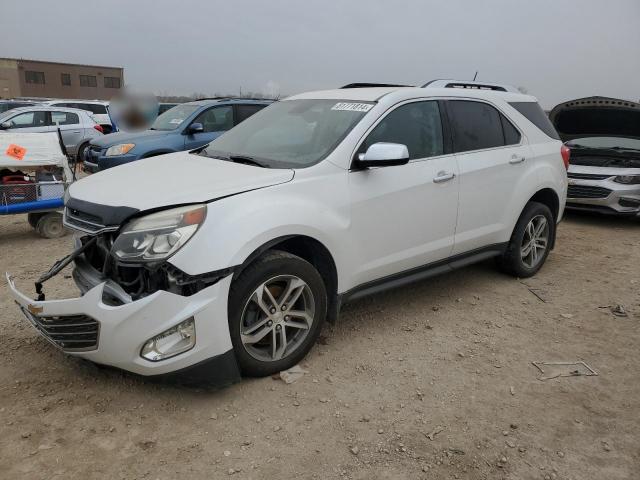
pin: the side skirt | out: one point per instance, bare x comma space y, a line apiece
420, 273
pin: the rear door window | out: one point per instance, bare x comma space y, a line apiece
245, 111
416, 125
217, 119
534, 113
475, 126
511, 134
64, 118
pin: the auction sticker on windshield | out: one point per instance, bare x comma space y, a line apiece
353, 107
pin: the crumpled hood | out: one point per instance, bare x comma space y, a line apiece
173, 179
596, 117
127, 137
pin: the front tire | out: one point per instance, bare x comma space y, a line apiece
277, 306
530, 242
82, 153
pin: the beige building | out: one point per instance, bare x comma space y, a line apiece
33, 78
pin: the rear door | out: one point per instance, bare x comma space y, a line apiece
404, 216
70, 128
491, 154
215, 120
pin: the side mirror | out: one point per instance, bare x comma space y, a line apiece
195, 128
5, 125
384, 154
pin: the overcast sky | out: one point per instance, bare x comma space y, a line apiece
556, 49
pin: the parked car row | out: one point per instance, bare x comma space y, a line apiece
77, 127
183, 127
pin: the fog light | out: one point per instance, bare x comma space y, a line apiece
172, 342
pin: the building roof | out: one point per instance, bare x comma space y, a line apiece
59, 63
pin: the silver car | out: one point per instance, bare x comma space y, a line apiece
76, 126
604, 137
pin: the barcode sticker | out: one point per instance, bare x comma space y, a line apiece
352, 107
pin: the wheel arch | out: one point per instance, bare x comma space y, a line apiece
548, 197
314, 252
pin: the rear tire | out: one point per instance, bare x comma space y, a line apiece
33, 218
268, 334
530, 242
50, 225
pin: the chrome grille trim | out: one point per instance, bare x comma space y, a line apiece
75, 222
71, 333
589, 176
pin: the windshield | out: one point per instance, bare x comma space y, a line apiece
618, 143
291, 133
172, 119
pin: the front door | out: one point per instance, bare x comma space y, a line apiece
215, 121
33, 121
404, 216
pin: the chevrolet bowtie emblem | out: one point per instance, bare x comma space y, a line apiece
34, 309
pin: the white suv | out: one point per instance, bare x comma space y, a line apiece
227, 260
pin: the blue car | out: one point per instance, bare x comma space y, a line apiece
184, 127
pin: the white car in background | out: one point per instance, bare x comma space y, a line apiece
77, 127
226, 260
604, 137
98, 109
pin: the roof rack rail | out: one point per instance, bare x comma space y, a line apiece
473, 85
372, 85
230, 98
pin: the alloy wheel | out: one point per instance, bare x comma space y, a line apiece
535, 241
277, 318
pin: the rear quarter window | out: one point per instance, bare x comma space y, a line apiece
534, 113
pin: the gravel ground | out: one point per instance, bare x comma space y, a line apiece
431, 381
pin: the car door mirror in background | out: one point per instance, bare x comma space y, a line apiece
5, 125
195, 128
383, 154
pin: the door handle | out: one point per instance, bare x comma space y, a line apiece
515, 159
76, 131
444, 177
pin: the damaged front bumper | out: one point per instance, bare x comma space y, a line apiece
93, 328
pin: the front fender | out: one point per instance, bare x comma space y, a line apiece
239, 225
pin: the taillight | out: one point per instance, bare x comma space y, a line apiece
99, 128
566, 153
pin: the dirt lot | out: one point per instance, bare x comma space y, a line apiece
432, 381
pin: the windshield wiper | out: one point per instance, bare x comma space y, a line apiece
246, 160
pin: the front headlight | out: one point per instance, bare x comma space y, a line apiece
170, 343
158, 235
628, 179
120, 149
